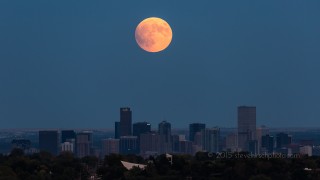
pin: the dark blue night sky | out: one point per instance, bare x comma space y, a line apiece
73, 64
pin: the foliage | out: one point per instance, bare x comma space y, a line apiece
43, 165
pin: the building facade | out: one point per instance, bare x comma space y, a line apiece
267, 144
141, 128
49, 141
117, 130
211, 139
194, 128
110, 146
83, 144
125, 121
67, 134
128, 145
246, 126
164, 131
149, 143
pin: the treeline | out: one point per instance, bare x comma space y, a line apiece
44, 166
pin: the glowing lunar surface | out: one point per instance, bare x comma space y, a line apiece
153, 34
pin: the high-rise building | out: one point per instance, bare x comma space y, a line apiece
49, 141
67, 134
246, 126
149, 143
125, 121
181, 145
253, 146
197, 143
117, 130
211, 139
283, 140
175, 143
231, 142
198, 139
84, 144
267, 144
110, 146
194, 128
164, 130
185, 147
261, 131
141, 128
128, 145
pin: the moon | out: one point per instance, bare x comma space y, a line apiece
153, 34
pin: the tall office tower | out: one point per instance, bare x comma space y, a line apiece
125, 121
231, 142
185, 147
211, 139
141, 128
194, 128
246, 126
283, 140
67, 134
117, 130
49, 141
164, 130
261, 131
149, 143
175, 143
267, 143
253, 146
128, 145
83, 144
110, 146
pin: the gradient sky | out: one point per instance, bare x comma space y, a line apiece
73, 64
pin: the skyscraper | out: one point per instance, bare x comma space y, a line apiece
185, 147
128, 145
194, 128
125, 121
117, 130
140, 128
231, 142
261, 131
67, 134
267, 143
283, 140
164, 130
246, 126
149, 143
49, 141
84, 144
211, 139
110, 146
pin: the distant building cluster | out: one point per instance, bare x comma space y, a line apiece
139, 138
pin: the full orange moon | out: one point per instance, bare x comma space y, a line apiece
153, 34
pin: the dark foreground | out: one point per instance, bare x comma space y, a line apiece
44, 166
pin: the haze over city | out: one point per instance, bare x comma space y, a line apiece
72, 64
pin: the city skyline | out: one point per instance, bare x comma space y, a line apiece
71, 65
130, 120
140, 139
165, 89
